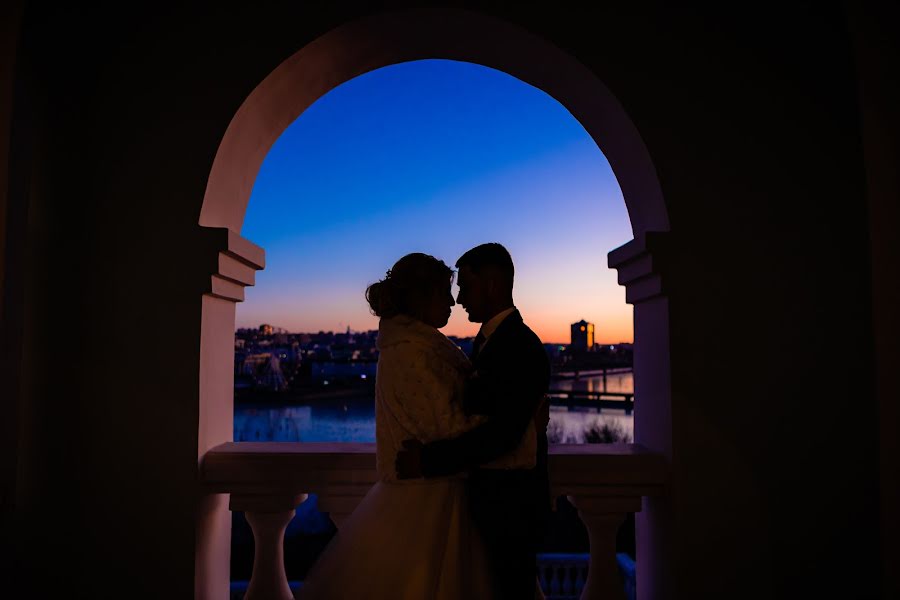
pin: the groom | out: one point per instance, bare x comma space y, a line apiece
509, 496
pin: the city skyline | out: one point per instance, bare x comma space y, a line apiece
268, 329
436, 156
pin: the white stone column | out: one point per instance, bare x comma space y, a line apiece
602, 516
229, 265
642, 266
268, 516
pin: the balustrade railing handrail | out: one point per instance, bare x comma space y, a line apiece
244, 466
268, 480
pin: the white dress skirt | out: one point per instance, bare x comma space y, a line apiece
412, 540
409, 541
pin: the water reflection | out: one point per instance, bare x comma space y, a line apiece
332, 422
354, 420
622, 383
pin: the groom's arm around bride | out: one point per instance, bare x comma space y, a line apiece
509, 388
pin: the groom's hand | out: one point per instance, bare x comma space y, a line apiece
409, 460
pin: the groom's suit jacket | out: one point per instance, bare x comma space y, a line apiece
513, 375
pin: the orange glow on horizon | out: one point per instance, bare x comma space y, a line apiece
548, 311
551, 329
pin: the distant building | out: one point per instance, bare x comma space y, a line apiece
582, 336
266, 329
265, 370
342, 372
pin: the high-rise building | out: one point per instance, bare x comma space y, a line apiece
582, 335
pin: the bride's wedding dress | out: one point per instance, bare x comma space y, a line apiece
411, 539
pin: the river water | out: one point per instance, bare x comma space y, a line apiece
354, 420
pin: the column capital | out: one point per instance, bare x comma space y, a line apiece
235, 263
637, 263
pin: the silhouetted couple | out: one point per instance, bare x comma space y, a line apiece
462, 499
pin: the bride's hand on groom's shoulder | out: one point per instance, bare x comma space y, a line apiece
409, 460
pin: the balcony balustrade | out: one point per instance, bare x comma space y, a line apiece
269, 480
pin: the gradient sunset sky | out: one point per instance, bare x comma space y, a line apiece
436, 156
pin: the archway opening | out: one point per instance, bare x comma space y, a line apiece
434, 156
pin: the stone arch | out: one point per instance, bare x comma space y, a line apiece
371, 43
378, 41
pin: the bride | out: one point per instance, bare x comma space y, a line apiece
410, 539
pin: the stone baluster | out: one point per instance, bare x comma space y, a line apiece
268, 516
555, 585
602, 516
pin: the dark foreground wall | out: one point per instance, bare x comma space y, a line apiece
753, 123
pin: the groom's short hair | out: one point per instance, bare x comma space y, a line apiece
490, 255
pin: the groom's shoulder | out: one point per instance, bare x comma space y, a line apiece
523, 335
529, 334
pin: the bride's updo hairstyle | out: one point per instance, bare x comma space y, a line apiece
408, 286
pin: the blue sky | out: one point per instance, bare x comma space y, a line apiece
435, 156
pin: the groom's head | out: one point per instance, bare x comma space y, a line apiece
485, 281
